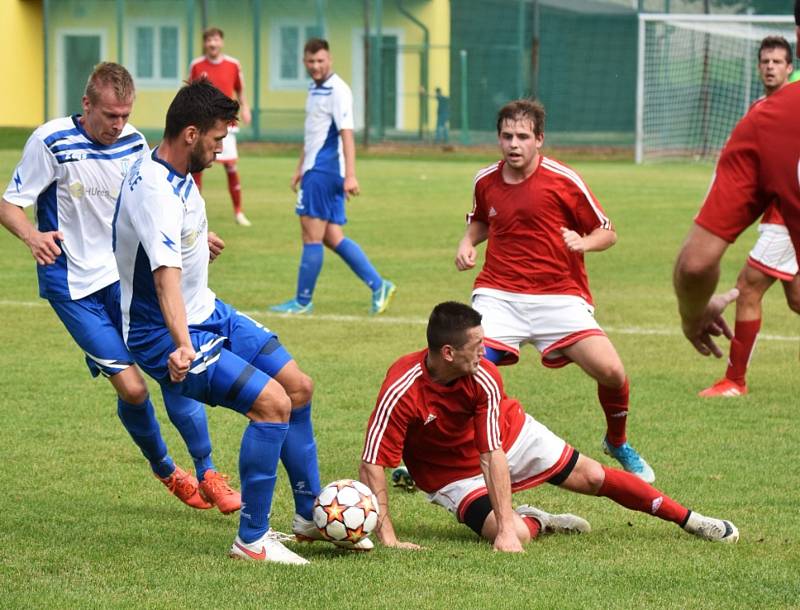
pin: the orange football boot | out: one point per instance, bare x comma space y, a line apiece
185, 487
724, 387
215, 489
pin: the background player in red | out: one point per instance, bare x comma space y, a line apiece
758, 165
469, 447
539, 218
225, 73
772, 258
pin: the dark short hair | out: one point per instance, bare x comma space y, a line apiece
449, 323
313, 45
115, 76
523, 109
201, 104
209, 32
776, 42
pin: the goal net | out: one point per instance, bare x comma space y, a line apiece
697, 76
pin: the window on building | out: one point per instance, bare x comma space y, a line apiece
286, 57
156, 54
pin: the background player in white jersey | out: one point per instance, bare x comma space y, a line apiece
191, 342
469, 446
71, 171
773, 256
539, 218
326, 173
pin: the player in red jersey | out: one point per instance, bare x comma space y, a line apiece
758, 166
772, 258
225, 73
539, 218
469, 447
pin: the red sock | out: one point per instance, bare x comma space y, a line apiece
633, 493
198, 180
534, 527
744, 340
615, 405
234, 188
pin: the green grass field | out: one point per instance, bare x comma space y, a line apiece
84, 524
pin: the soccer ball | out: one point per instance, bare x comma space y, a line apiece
346, 510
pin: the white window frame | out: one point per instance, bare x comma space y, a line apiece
276, 83
156, 82
61, 70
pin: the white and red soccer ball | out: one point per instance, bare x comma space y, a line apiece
346, 510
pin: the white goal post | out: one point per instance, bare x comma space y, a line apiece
696, 76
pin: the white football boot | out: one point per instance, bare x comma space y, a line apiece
267, 548
716, 530
555, 524
305, 531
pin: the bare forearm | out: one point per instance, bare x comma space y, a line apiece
498, 483
374, 477
697, 272
349, 149
13, 218
168, 287
477, 232
599, 240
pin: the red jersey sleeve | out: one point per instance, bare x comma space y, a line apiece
195, 71
479, 211
589, 214
487, 411
386, 429
238, 83
734, 202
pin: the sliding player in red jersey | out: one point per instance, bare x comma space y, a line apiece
758, 166
444, 412
773, 256
539, 218
225, 73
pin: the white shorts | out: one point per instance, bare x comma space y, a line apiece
536, 456
774, 253
549, 322
229, 150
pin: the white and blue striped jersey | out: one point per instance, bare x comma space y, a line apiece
160, 222
73, 182
329, 109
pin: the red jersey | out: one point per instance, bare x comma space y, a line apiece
439, 431
225, 73
758, 165
526, 253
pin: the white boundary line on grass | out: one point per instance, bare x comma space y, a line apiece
253, 313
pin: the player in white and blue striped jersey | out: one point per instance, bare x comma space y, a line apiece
187, 339
326, 174
71, 171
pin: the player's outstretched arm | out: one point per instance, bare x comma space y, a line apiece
498, 482
598, 240
167, 281
477, 232
43, 246
695, 278
374, 477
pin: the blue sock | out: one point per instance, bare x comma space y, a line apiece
189, 417
299, 457
494, 355
355, 258
310, 266
141, 423
258, 467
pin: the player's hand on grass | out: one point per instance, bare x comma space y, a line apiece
397, 544
507, 542
351, 188
215, 246
179, 362
466, 255
43, 246
711, 324
574, 241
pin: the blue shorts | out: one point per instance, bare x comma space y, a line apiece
235, 358
95, 323
322, 196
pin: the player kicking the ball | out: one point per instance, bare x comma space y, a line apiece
539, 218
469, 447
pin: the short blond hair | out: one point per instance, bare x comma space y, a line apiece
114, 76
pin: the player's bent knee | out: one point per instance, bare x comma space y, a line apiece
587, 477
303, 392
272, 405
130, 386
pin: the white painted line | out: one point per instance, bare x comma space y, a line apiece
257, 313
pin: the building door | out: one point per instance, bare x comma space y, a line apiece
387, 96
81, 53
391, 95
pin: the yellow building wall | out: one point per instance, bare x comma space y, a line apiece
22, 64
